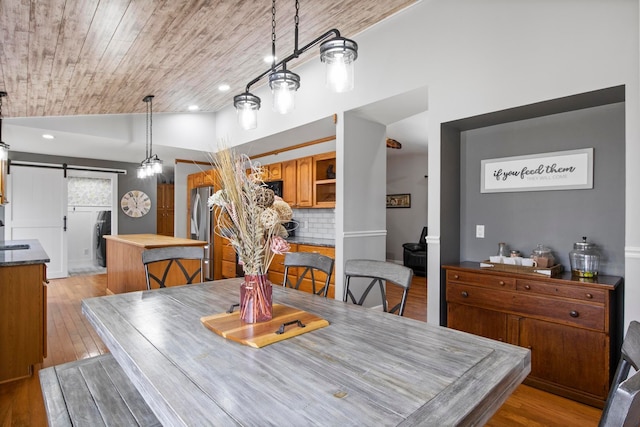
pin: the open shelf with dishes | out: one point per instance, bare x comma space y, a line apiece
324, 180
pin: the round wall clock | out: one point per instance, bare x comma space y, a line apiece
135, 203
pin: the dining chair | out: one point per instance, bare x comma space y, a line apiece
312, 263
174, 255
623, 403
379, 272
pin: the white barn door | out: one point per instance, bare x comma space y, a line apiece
37, 210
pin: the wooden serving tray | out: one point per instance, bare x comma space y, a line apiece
552, 271
229, 326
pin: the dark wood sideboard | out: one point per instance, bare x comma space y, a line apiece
573, 327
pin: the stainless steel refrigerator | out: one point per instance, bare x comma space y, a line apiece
201, 225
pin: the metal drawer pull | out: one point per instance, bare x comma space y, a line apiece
574, 313
527, 287
501, 283
455, 276
589, 296
464, 294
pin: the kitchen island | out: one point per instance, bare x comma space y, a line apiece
125, 272
23, 301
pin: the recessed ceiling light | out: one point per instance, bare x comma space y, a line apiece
269, 59
48, 136
224, 87
193, 108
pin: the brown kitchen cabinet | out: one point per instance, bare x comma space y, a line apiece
23, 319
229, 261
276, 271
572, 327
297, 182
304, 182
290, 182
272, 172
165, 209
320, 277
324, 180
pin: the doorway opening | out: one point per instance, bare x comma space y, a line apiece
91, 197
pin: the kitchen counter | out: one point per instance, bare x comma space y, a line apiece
125, 271
314, 241
149, 241
35, 254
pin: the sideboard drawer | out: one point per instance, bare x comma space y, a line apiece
488, 280
567, 312
477, 296
562, 290
563, 311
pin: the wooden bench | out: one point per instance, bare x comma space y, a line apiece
93, 392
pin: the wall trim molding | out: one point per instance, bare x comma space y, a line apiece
632, 252
368, 233
433, 240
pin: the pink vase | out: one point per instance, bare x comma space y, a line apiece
255, 299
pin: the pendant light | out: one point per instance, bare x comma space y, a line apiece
338, 53
151, 165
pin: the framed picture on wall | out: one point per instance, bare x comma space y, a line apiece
398, 200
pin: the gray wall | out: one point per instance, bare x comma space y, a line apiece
406, 174
126, 182
554, 218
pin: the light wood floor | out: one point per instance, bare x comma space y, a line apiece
71, 337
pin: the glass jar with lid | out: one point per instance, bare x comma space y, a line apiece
543, 256
584, 259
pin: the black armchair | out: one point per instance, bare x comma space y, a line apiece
415, 255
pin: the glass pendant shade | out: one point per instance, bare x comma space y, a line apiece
156, 165
4, 150
339, 54
141, 171
284, 85
247, 106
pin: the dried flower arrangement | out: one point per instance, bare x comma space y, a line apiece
250, 217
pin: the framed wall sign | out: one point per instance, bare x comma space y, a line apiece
560, 170
398, 200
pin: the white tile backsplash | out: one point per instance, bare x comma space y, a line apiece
317, 223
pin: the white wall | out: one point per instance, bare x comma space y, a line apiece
477, 57
360, 197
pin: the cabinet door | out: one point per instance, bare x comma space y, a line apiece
567, 356
275, 172
477, 321
305, 182
169, 194
289, 182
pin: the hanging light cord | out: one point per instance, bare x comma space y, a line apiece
273, 36
150, 124
2, 95
149, 128
296, 52
2, 144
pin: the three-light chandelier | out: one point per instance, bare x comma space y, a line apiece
338, 53
151, 165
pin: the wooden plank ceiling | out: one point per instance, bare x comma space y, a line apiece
76, 57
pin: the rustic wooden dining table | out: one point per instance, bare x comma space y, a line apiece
367, 368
